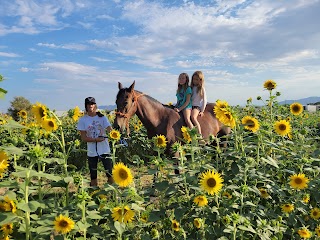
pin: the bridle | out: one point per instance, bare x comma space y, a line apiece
135, 101
128, 114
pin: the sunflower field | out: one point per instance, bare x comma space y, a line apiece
263, 185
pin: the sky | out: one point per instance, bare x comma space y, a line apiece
59, 52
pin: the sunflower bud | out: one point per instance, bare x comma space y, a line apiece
77, 143
154, 233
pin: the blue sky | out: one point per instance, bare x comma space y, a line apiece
59, 52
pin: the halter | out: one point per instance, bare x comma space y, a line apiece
135, 100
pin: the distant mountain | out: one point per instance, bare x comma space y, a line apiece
303, 101
108, 107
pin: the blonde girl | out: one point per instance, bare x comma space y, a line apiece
199, 98
183, 95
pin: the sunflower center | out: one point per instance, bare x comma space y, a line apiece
63, 223
41, 112
123, 174
282, 127
51, 124
298, 180
211, 182
296, 109
250, 123
228, 116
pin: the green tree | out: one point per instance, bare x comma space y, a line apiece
18, 104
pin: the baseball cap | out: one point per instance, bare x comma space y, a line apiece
90, 100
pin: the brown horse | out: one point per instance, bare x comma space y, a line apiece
159, 119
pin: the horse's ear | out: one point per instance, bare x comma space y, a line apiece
132, 86
120, 85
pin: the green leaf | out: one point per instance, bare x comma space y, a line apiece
52, 160
248, 229
7, 217
9, 184
3, 91
13, 124
234, 168
49, 176
120, 227
155, 216
13, 150
31, 206
68, 179
23, 174
136, 207
269, 160
94, 215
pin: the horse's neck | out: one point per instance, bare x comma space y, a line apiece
149, 112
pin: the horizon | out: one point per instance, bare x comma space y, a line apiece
58, 53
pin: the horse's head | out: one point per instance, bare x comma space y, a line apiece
126, 107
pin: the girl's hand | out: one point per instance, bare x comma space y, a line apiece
176, 109
200, 114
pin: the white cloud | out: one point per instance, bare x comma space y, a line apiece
70, 46
9, 55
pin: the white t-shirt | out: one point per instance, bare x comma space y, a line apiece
95, 127
197, 100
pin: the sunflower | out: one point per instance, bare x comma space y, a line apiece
287, 208
299, 181
184, 129
49, 124
63, 224
211, 182
317, 230
128, 214
269, 85
115, 135
137, 127
117, 214
227, 195
306, 198
23, 114
224, 114
296, 108
315, 213
201, 201
3, 161
186, 136
122, 175
7, 229
282, 127
76, 113
175, 225
250, 123
197, 222
304, 233
39, 111
9, 205
160, 141
263, 193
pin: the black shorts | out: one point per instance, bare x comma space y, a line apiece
93, 165
196, 107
